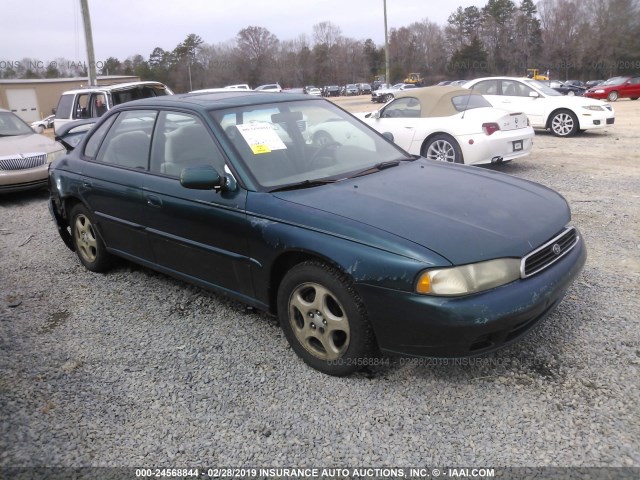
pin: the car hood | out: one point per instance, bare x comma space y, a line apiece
462, 213
577, 102
27, 145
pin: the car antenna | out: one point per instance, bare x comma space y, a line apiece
468, 101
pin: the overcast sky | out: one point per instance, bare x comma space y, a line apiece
49, 29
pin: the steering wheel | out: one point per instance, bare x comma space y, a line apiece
326, 150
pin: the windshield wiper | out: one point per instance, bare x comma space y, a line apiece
303, 184
377, 167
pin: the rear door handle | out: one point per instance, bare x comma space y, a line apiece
154, 201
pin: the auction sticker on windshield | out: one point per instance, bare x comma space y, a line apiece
261, 137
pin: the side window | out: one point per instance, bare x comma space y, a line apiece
487, 87
82, 106
407, 107
513, 88
98, 105
65, 104
93, 144
129, 140
182, 140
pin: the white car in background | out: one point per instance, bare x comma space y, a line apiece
386, 94
452, 124
41, 125
270, 87
546, 108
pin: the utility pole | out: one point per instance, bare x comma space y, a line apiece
88, 38
386, 45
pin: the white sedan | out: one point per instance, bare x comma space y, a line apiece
546, 108
452, 124
41, 125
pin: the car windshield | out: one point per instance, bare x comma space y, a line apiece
543, 87
615, 81
287, 143
11, 124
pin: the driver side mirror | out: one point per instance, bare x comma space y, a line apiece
206, 177
534, 94
375, 114
388, 136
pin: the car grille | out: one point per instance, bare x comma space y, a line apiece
549, 253
22, 163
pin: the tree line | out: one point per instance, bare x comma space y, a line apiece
578, 39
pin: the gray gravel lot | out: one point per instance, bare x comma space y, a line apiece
133, 368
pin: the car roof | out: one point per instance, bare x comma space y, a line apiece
501, 78
436, 101
113, 87
217, 100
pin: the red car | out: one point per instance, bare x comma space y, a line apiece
617, 87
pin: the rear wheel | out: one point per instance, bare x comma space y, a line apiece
613, 96
443, 148
571, 93
88, 244
324, 319
564, 123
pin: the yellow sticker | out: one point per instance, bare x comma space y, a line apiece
260, 148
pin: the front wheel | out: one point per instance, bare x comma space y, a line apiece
613, 96
443, 148
324, 319
88, 244
387, 98
564, 123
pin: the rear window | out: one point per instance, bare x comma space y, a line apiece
467, 102
63, 110
137, 93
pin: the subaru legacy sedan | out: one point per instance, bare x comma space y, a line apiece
360, 249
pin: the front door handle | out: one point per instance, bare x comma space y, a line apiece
154, 201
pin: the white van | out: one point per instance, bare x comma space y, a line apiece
92, 102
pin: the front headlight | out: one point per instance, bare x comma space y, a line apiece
51, 156
468, 279
594, 107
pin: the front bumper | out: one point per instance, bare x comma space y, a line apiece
427, 326
593, 120
17, 180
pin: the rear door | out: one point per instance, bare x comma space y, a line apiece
113, 177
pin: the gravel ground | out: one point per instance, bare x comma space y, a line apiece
133, 368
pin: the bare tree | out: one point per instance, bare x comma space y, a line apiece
257, 47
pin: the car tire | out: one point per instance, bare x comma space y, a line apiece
443, 148
87, 242
387, 98
564, 123
571, 93
634, 98
613, 96
324, 319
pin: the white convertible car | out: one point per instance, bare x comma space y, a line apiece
450, 124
